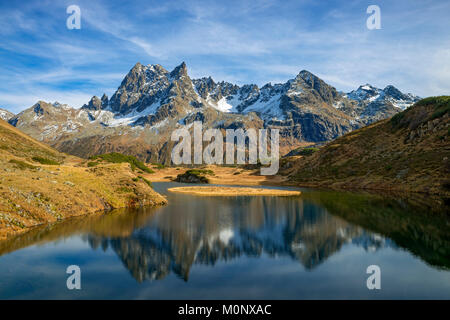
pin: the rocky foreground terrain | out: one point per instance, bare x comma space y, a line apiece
40, 185
151, 102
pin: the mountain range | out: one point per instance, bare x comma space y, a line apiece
151, 102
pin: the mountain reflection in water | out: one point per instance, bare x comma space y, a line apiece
152, 243
225, 229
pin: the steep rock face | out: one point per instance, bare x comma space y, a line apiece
151, 87
139, 89
310, 104
151, 102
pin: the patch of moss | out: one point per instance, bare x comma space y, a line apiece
91, 164
194, 176
146, 181
308, 151
43, 160
200, 172
396, 119
121, 158
441, 105
21, 164
124, 190
159, 165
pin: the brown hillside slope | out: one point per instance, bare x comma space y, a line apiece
39, 184
409, 152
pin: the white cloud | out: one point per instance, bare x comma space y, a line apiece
20, 100
255, 41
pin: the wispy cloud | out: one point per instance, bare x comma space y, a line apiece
241, 41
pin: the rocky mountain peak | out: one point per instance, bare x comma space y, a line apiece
306, 75
363, 92
375, 104
314, 88
5, 114
151, 101
137, 67
307, 80
179, 71
94, 104
204, 86
392, 91
153, 71
39, 107
105, 101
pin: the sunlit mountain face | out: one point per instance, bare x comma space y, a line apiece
151, 102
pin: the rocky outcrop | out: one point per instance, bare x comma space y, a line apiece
192, 176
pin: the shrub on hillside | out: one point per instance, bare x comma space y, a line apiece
121, 158
21, 164
194, 176
308, 151
43, 160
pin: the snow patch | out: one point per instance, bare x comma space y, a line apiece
268, 109
108, 118
226, 235
223, 104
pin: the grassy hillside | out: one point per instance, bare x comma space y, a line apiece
409, 152
423, 229
120, 158
39, 184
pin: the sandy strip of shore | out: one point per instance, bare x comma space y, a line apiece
234, 191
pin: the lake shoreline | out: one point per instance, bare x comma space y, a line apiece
221, 191
224, 175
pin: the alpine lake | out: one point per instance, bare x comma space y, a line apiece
315, 246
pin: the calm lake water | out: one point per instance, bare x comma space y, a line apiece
315, 246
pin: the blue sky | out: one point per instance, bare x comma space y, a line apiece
244, 41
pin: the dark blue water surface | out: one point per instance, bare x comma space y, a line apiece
318, 245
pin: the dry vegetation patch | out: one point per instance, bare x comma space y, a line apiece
39, 185
234, 191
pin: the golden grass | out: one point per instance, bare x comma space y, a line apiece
222, 175
33, 194
234, 191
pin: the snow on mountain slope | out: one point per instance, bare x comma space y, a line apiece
5, 114
367, 94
